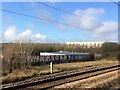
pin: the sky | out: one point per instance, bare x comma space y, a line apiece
94, 21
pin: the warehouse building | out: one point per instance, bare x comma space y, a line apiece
86, 44
60, 57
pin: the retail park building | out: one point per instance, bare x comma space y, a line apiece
86, 44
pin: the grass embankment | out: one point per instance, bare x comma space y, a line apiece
36, 71
104, 81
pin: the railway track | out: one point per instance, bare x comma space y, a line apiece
47, 83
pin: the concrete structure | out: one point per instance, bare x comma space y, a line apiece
86, 44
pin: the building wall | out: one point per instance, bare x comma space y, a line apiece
86, 44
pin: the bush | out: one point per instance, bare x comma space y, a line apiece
111, 55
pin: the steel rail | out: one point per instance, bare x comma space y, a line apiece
42, 81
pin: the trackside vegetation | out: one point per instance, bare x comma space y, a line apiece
17, 57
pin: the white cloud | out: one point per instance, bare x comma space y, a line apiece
108, 26
90, 20
25, 36
87, 19
11, 35
108, 31
38, 35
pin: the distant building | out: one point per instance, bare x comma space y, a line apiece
86, 44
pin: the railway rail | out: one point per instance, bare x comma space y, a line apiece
54, 80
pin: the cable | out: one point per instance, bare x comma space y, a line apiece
27, 15
68, 12
115, 3
53, 21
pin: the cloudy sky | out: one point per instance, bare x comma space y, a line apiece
90, 21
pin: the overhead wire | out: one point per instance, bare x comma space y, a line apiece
115, 3
64, 11
53, 21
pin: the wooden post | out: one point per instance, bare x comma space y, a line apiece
51, 68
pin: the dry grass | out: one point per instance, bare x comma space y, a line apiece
17, 76
108, 80
21, 75
78, 65
35, 71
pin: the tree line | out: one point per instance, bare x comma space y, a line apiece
18, 55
